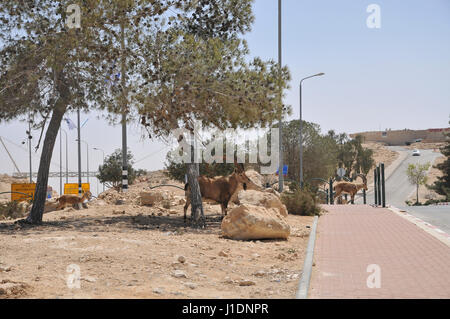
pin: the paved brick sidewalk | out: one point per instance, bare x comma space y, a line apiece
413, 264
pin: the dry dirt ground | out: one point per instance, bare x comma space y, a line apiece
132, 251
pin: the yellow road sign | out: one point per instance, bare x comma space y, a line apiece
26, 188
72, 188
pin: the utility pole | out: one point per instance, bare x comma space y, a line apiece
79, 154
124, 109
60, 162
99, 149
67, 158
280, 135
29, 148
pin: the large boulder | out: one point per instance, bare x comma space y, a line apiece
151, 197
255, 177
264, 199
249, 222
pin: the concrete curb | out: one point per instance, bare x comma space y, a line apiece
303, 286
427, 227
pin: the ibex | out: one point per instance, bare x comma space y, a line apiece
350, 188
72, 199
219, 189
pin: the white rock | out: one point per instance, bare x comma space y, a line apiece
190, 285
265, 199
158, 291
179, 274
248, 222
151, 197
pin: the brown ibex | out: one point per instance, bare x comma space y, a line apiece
350, 188
72, 199
220, 188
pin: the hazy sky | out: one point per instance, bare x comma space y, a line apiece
397, 76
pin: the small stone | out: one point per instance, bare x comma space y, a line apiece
190, 285
5, 268
255, 255
223, 254
89, 279
181, 259
179, 274
281, 256
260, 273
158, 291
160, 214
228, 280
246, 282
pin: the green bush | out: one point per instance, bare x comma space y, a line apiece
301, 202
11, 209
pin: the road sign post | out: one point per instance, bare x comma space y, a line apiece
72, 188
383, 188
22, 191
331, 192
379, 185
375, 188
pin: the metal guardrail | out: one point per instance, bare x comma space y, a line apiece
162, 185
55, 174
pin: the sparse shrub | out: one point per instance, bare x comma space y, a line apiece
301, 202
11, 210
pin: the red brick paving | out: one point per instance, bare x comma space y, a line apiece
413, 263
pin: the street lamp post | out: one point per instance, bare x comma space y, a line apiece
99, 149
301, 127
29, 149
280, 135
67, 157
87, 158
60, 160
79, 153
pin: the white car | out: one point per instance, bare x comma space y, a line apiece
416, 152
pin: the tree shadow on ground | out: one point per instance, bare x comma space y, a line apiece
172, 224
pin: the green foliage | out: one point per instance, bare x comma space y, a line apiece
301, 202
442, 185
208, 80
110, 173
177, 171
323, 154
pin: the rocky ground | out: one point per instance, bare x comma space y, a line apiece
121, 249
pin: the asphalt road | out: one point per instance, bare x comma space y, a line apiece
398, 189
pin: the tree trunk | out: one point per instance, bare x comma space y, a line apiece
197, 214
417, 194
35, 216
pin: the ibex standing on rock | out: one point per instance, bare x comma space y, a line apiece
350, 188
72, 199
219, 189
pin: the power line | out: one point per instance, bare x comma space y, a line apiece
26, 150
150, 155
